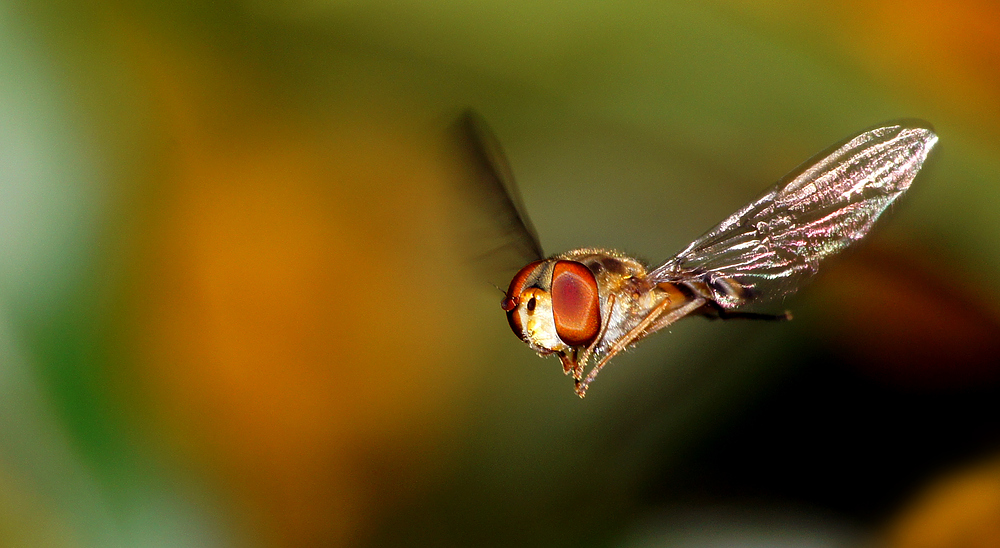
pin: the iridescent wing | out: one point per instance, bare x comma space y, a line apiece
770, 247
497, 233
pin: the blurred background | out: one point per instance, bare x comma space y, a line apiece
232, 312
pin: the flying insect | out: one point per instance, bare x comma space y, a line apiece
587, 305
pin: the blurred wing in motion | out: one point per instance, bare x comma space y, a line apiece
770, 247
498, 235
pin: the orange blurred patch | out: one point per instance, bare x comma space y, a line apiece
294, 331
959, 511
946, 55
935, 48
909, 323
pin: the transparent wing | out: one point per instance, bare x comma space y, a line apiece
770, 247
498, 236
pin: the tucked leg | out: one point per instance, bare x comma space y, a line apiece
727, 315
657, 319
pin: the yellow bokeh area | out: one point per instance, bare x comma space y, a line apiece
236, 306
960, 509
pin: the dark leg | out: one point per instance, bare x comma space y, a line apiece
726, 315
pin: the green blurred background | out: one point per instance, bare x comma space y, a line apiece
232, 312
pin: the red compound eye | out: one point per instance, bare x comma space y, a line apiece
576, 306
513, 297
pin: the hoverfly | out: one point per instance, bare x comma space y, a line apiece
590, 304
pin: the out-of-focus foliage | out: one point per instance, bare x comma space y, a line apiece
232, 312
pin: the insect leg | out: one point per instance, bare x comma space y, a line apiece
568, 362
581, 363
650, 323
726, 315
675, 315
